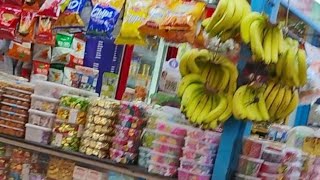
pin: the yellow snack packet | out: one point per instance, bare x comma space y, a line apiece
134, 16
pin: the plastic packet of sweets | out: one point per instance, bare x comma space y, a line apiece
50, 8
20, 51
70, 18
61, 55
135, 14
45, 34
104, 18
77, 55
27, 26
89, 78
9, 19
64, 39
71, 77
42, 53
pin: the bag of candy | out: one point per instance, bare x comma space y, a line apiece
70, 18
89, 78
135, 14
27, 26
103, 18
71, 77
20, 51
9, 19
61, 55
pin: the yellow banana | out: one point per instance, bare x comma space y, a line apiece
252, 106
223, 83
267, 43
213, 124
275, 45
272, 95
190, 92
262, 107
277, 102
216, 112
217, 15
302, 67
205, 72
193, 104
199, 108
205, 111
284, 104
183, 66
269, 88
246, 23
227, 112
281, 64
238, 107
280, 40
256, 34
204, 55
215, 84
291, 68
237, 15
292, 105
192, 65
206, 22
187, 80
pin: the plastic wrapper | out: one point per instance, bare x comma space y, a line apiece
31, 4
41, 68
125, 145
42, 53
27, 26
60, 55
199, 157
131, 122
144, 157
133, 109
13, 2
60, 169
164, 159
166, 149
40, 118
64, 39
20, 51
66, 136
195, 167
71, 77
37, 134
201, 146
184, 174
12, 123
17, 132
44, 34
104, 18
122, 157
13, 116
134, 16
77, 55
252, 148
89, 78
50, 9
70, 18
9, 20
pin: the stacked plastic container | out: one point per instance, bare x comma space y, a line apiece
126, 142
15, 104
100, 127
199, 154
70, 121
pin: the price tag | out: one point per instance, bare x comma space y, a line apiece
73, 115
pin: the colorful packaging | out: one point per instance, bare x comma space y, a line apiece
41, 68
19, 51
64, 39
71, 77
42, 53
70, 18
27, 26
50, 8
44, 34
64, 5
77, 54
60, 55
31, 4
89, 78
14, 2
135, 14
9, 19
55, 75
104, 18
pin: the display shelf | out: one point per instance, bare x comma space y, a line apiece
105, 164
302, 16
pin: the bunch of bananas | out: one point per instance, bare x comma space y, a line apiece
272, 102
291, 69
266, 40
206, 89
225, 21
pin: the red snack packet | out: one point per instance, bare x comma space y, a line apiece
27, 26
14, 2
40, 68
44, 34
9, 19
50, 8
31, 4
20, 51
77, 55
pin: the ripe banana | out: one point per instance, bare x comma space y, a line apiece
187, 80
302, 62
246, 25
227, 112
272, 95
216, 112
277, 102
267, 46
256, 34
218, 14
191, 91
238, 107
192, 64
199, 108
262, 107
193, 104
284, 104
275, 45
183, 66
293, 104
207, 108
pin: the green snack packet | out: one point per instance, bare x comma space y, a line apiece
64, 39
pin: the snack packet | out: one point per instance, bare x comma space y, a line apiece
104, 18
13, 2
40, 68
20, 51
71, 77
135, 14
77, 55
50, 8
64, 39
27, 26
44, 34
61, 55
31, 4
55, 75
42, 53
71, 17
9, 19
89, 78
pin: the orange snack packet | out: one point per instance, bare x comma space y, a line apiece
27, 26
20, 51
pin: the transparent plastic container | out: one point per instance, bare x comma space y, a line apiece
162, 169
37, 134
166, 148
249, 166
164, 158
195, 167
45, 104
186, 175
41, 118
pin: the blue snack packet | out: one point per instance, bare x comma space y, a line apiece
103, 19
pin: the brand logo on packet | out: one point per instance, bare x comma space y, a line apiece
76, 5
102, 12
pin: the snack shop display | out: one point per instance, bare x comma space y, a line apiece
100, 127
126, 141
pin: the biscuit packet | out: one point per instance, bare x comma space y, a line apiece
135, 13
104, 17
31, 4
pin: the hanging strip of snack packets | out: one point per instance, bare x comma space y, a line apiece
104, 17
135, 14
9, 19
70, 18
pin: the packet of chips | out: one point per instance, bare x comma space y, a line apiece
135, 14
27, 26
20, 51
9, 19
77, 55
45, 34
31, 4
64, 39
50, 8
103, 18
42, 53
70, 18
61, 55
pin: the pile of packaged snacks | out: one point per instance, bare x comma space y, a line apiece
15, 104
19, 157
166, 146
100, 127
4, 162
41, 118
126, 142
81, 173
199, 154
60, 169
71, 118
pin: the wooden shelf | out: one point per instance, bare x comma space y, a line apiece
105, 164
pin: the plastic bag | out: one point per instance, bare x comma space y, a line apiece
13, 2
64, 39
31, 4
89, 78
27, 26
20, 51
61, 55
135, 14
42, 53
104, 18
71, 77
77, 54
70, 18
44, 34
9, 19
50, 8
